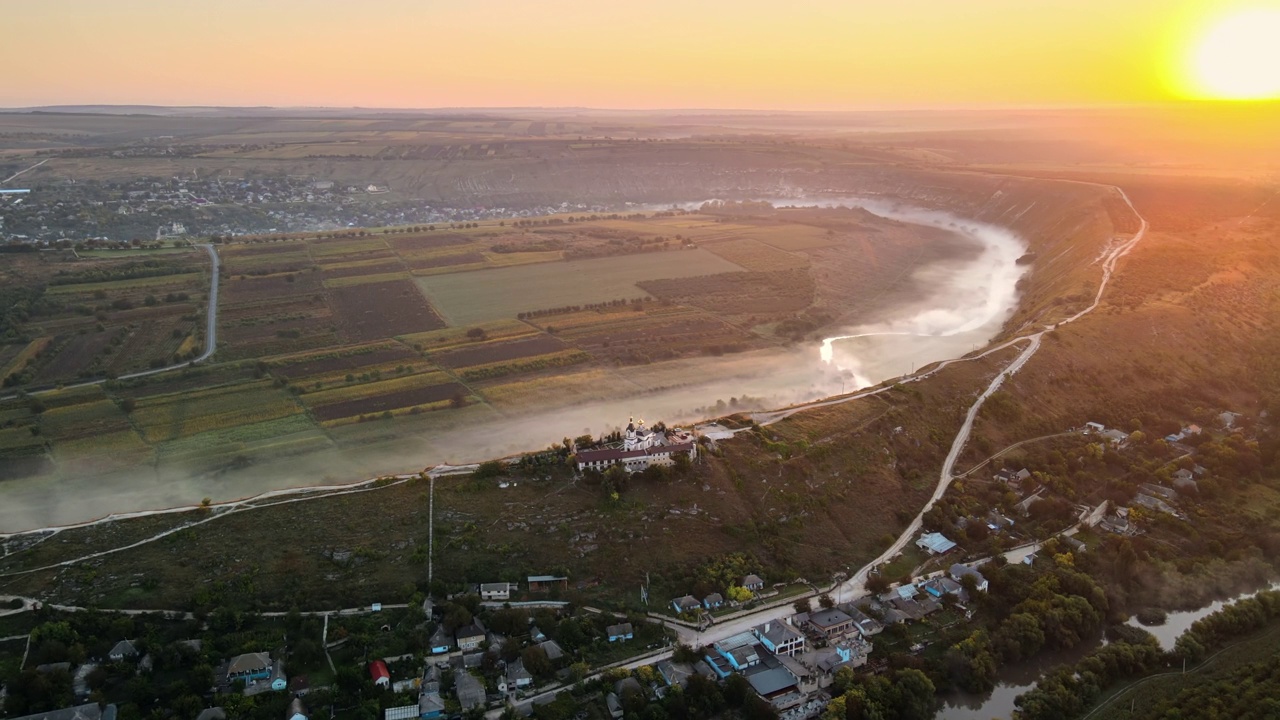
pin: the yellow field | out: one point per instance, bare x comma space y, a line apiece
398, 412
168, 417
365, 279
188, 344
522, 258
28, 352
755, 255
100, 453
572, 388
324, 352
380, 387
146, 282
449, 269
449, 338
563, 358
584, 318
87, 419
347, 247
357, 263
236, 262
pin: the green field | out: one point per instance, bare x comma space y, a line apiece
473, 297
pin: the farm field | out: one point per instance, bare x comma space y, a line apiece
487, 295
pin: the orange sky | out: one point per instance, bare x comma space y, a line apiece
801, 54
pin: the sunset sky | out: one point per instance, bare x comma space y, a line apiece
801, 54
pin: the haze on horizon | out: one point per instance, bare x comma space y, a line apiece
758, 54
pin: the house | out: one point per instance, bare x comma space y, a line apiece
675, 673
864, 623
441, 641
1160, 490
713, 601
430, 679
778, 686
90, 711
249, 667
517, 676
1153, 503
380, 674
959, 572
122, 650
754, 583
685, 604
734, 653
850, 653
470, 637
1024, 507
278, 680
430, 706
935, 543
997, 521
1116, 524
547, 583
830, 622
615, 706
1187, 484
1115, 437
1228, 419
620, 632
1014, 479
470, 691
939, 587
404, 712
1093, 427
495, 591
296, 710
1074, 545
213, 713
536, 635
779, 638
552, 649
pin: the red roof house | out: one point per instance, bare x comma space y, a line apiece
380, 674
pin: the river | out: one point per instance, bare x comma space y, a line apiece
1015, 680
961, 305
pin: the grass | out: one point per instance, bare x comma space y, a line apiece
331, 248
380, 387
365, 279
755, 255
576, 387
450, 338
1146, 694
502, 293
33, 348
169, 417
189, 279
238, 435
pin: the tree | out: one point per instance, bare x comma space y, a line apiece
536, 661
826, 602
802, 605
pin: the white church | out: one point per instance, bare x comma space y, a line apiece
641, 447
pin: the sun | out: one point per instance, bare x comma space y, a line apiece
1238, 57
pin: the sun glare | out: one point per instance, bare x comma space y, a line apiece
1238, 57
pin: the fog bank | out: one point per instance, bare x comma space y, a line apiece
962, 305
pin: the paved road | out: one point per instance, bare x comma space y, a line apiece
211, 320
855, 586
210, 333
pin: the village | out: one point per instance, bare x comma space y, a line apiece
506, 647
145, 210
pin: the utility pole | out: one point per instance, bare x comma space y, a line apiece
431, 529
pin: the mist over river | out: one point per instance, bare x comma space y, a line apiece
962, 303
